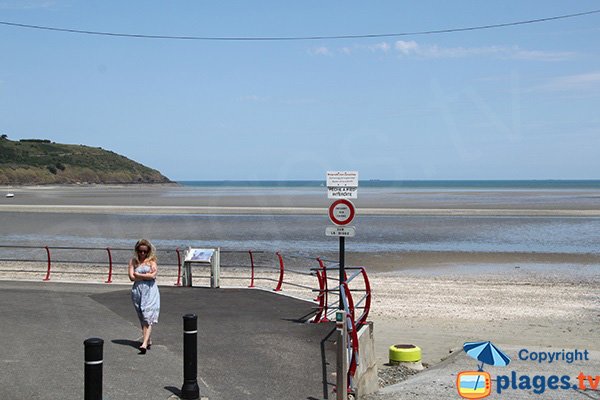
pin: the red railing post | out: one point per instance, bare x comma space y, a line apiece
110, 266
317, 317
363, 318
352, 334
349, 298
354, 357
252, 269
281, 269
325, 289
178, 267
47, 278
320, 280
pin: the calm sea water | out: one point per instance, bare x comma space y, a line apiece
409, 184
305, 234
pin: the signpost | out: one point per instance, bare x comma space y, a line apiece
342, 185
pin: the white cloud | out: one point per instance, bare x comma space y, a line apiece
411, 48
406, 47
320, 51
537, 55
515, 52
590, 80
383, 46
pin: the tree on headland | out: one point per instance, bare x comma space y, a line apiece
4, 136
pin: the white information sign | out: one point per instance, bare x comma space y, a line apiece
342, 184
346, 231
342, 178
199, 255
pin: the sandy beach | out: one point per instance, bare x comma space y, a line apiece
436, 296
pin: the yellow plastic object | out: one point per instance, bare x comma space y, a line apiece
404, 353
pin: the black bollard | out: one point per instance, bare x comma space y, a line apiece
190, 389
93, 369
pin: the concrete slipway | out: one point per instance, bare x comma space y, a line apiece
252, 344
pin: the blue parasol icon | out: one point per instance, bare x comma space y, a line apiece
487, 353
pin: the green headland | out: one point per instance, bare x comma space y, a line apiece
41, 162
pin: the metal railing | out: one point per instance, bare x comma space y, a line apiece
51, 260
107, 257
327, 308
352, 346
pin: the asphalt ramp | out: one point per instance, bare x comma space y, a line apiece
252, 344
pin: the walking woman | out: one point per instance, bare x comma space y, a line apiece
144, 293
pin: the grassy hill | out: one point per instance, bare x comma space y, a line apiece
35, 161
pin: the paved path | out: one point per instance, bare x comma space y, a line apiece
252, 343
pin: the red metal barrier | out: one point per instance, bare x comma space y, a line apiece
320, 281
354, 357
281, 269
53, 258
353, 335
47, 278
252, 266
350, 300
178, 267
320, 298
363, 318
323, 293
352, 305
110, 266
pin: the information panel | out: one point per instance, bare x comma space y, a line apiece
342, 184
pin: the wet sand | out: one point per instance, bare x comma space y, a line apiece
371, 201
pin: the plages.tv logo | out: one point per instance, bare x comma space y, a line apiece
478, 384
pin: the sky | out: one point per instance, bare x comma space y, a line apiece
517, 102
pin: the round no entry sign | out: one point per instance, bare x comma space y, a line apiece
341, 212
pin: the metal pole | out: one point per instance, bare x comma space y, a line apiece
178, 267
342, 360
187, 274
342, 271
190, 389
93, 369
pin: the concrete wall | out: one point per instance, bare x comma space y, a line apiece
365, 378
